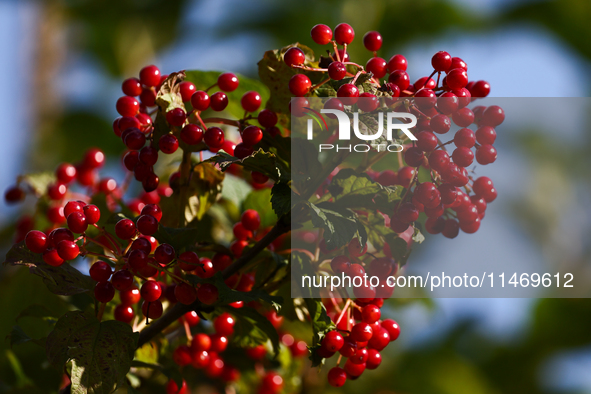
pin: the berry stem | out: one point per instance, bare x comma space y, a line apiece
225, 121
319, 84
100, 311
336, 50
306, 68
345, 309
188, 331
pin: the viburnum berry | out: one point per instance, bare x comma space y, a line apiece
93, 158
131, 87
125, 229
218, 101
77, 222
441, 61
463, 117
67, 250
56, 191
273, 382
492, 116
152, 210
104, 292
214, 137
337, 71
414, 156
337, 377
294, 56
147, 224
173, 388
228, 82
407, 213
372, 40
148, 97
480, 89
164, 253
361, 332
122, 280
457, 78
200, 100
176, 117
36, 241
400, 78
224, 324
462, 156
151, 291
150, 76
207, 293
299, 85
130, 296
251, 101
185, 293
186, 89
152, 310
344, 34
333, 341
188, 261
65, 173
368, 102
439, 160
397, 62
353, 369
267, 118
251, 220
426, 141
124, 313
252, 135
321, 34
92, 213
377, 66
191, 134
127, 106
348, 93
168, 144
100, 271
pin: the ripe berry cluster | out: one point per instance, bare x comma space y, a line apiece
185, 124
360, 337
437, 103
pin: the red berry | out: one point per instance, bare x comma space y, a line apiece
124, 313
372, 40
251, 220
191, 134
251, 101
104, 291
451, 228
374, 359
200, 100
188, 261
228, 82
240, 232
152, 210
252, 135
147, 225
214, 137
492, 116
299, 85
379, 339
321, 34
486, 154
148, 97
361, 332
377, 66
224, 324
176, 117
182, 355
93, 158
294, 56
392, 327
192, 319
344, 34
185, 293
100, 271
77, 222
152, 310
273, 382
207, 294
218, 101
130, 296
173, 388
65, 173
150, 76
186, 89
127, 106
486, 135
267, 118
397, 62
164, 253
125, 229
92, 214
400, 78
36, 241
457, 78
333, 341
348, 93
441, 61
337, 71
131, 87
354, 369
480, 89
168, 144
371, 313
122, 280
337, 377
67, 250
151, 291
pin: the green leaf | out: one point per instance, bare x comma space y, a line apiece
204, 190
252, 328
399, 248
172, 372
260, 201
39, 181
264, 162
169, 95
62, 280
17, 336
321, 325
204, 79
100, 352
281, 198
351, 189
178, 238
340, 224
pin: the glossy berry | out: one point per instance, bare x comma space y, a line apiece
492, 116
207, 294
152, 310
186, 89
463, 156
251, 220
65, 173
104, 292
377, 66
251, 101
218, 101
176, 117
185, 293
214, 137
348, 93
400, 78
150, 76
130, 296
228, 82
77, 222
337, 71
440, 124
337, 377
441, 61
344, 34
200, 100
122, 280
486, 135
67, 250
73, 206
299, 85
252, 135
36, 241
93, 158
100, 271
267, 118
127, 106
191, 134
125, 229
92, 214
370, 313
486, 154
164, 254
397, 62
168, 144
294, 56
480, 89
361, 332
224, 324
151, 291
333, 341
147, 225
124, 313
131, 87
321, 34
372, 40
392, 327
457, 78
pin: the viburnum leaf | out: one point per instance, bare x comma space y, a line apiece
178, 238
252, 328
281, 198
39, 312
264, 162
340, 224
100, 352
399, 248
39, 181
62, 280
260, 201
169, 96
321, 325
351, 189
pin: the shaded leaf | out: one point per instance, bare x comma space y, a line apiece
321, 325
264, 162
260, 201
340, 225
281, 198
252, 328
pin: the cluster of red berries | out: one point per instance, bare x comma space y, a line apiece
135, 126
360, 336
436, 106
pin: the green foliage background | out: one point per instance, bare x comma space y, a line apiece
122, 36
